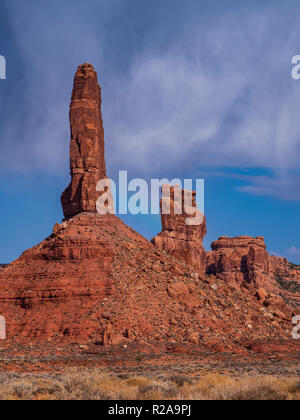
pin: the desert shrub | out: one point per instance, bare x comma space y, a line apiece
98, 384
158, 389
208, 383
181, 380
288, 285
253, 394
261, 388
294, 266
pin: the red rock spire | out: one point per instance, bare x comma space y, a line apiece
87, 160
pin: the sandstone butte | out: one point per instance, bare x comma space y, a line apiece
95, 280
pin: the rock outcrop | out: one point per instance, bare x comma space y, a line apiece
45, 291
87, 144
242, 261
183, 227
286, 277
95, 280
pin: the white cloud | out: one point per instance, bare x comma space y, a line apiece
221, 95
283, 185
294, 252
224, 99
291, 254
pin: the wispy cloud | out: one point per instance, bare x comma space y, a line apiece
225, 98
285, 186
294, 252
218, 94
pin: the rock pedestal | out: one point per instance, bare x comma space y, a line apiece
183, 227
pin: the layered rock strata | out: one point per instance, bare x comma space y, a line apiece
87, 161
183, 227
242, 260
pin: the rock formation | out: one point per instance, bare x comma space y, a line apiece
183, 227
87, 144
94, 280
287, 280
242, 261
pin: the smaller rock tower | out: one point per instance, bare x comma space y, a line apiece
182, 234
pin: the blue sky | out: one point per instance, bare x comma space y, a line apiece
195, 89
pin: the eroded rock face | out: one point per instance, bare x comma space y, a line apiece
287, 279
95, 280
87, 144
46, 290
182, 234
242, 261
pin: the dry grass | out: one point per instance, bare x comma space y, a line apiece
96, 384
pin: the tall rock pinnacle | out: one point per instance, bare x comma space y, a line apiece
87, 160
